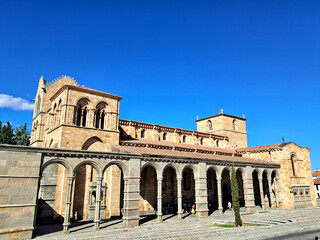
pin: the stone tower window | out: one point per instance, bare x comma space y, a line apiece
201, 141
100, 115
234, 124
143, 133
164, 136
81, 112
184, 139
217, 143
209, 124
292, 164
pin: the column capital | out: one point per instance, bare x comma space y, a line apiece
159, 178
179, 179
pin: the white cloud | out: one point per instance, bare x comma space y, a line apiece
7, 101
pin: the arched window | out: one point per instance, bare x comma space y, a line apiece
164, 136
81, 112
201, 141
209, 124
292, 164
143, 133
217, 143
184, 139
234, 124
100, 115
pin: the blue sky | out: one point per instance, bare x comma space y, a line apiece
172, 61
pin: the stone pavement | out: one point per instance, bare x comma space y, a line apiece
267, 224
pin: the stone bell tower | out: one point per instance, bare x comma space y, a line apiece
224, 124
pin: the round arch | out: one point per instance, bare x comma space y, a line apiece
154, 165
174, 166
190, 166
91, 142
88, 162
57, 161
119, 164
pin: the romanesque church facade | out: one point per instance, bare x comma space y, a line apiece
175, 168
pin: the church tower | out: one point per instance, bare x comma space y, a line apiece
224, 124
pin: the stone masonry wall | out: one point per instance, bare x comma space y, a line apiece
19, 178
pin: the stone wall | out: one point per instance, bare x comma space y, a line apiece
19, 179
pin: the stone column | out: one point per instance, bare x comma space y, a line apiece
68, 204
279, 192
159, 211
219, 188
179, 180
270, 193
249, 191
132, 195
202, 191
261, 192
97, 205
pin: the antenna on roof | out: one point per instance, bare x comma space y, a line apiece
283, 139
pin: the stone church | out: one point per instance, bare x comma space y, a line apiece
93, 165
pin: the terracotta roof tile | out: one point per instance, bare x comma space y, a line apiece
184, 154
259, 148
178, 145
317, 181
316, 173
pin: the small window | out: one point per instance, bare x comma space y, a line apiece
201, 141
143, 133
164, 137
234, 124
292, 164
209, 123
184, 139
217, 143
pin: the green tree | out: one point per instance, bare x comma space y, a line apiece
6, 134
235, 197
22, 135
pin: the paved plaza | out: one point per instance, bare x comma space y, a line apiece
261, 225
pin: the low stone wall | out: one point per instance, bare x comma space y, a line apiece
19, 179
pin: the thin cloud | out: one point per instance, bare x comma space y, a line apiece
7, 101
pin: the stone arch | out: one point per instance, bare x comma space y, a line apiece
216, 169
88, 162
256, 173
188, 186
81, 111
115, 174
175, 167
275, 187
93, 144
58, 161
212, 188
169, 188
241, 179
226, 187
148, 190
192, 167
100, 115
124, 167
265, 188
154, 165
52, 191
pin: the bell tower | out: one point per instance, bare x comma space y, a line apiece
230, 126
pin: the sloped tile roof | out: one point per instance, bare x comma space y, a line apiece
163, 152
260, 148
